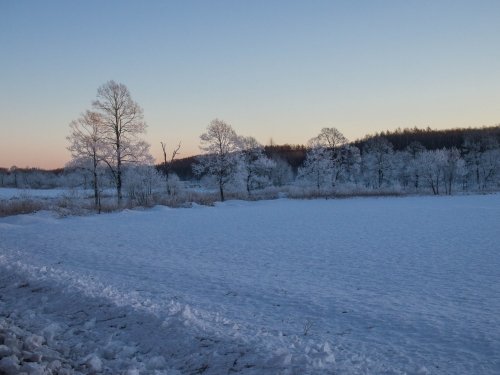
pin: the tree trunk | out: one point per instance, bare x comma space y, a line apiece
166, 181
96, 192
118, 173
119, 184
248, 183
431, 179
221, 190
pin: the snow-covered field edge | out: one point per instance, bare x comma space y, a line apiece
56, 322
62, 307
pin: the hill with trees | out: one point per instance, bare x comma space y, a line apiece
432, 139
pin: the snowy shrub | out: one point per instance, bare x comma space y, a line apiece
140, 182
19, 206
174, 185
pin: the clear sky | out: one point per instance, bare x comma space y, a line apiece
277, 69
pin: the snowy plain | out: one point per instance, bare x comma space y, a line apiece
353, 286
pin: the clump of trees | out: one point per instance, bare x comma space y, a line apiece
332, 165
231, 159
109, 136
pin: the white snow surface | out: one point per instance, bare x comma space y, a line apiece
354, 286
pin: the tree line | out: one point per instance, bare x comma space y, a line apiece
108, 150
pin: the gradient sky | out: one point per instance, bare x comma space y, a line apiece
272, 69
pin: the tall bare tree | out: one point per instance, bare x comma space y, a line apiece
88, 147
124, 125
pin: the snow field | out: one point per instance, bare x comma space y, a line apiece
356, 286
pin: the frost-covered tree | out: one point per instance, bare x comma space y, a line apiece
377, 161
452, 167
220, 145
334, 145
490, 168
88, 147
256, 166
401, 174
351, 162
316, 169
431, 164
124, 125
413, 151
140, 182
477, 151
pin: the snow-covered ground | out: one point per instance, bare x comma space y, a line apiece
355, 286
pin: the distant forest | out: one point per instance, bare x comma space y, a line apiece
399, 138
295, 155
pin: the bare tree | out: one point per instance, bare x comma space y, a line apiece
220, 145
331, 138
167, 164
124, 124
87, 146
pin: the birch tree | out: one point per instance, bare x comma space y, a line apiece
88, 147
124, 125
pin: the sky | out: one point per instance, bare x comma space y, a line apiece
272, 69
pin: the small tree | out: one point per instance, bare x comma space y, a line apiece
431, 164
256, 165
377, 161
221, 146
413, 150
167, 164
123, 123
88, 147
140, 182
452, 166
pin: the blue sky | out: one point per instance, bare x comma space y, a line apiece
272, 69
